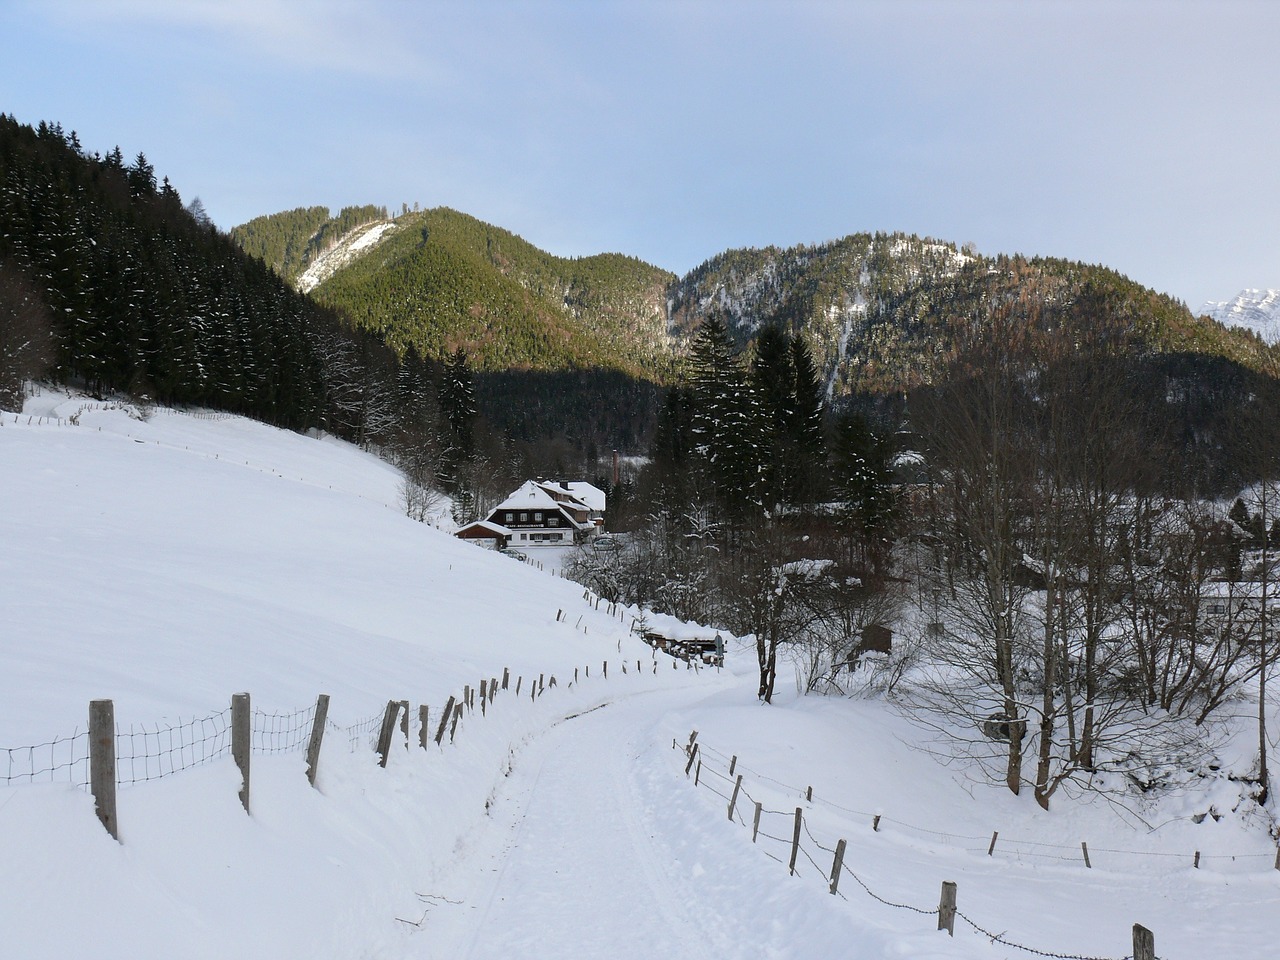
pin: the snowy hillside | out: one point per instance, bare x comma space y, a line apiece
169, 562
1256, 310
351, 246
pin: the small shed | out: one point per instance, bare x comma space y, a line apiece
486, 534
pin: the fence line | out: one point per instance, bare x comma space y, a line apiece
152, 751
796, 847
980, 844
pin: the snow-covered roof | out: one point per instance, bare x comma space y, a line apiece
590, 496
530, 496
494, 528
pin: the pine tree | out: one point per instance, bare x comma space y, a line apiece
729, 425
457, 420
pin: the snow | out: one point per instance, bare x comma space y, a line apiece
169, 562
351, 246
1256, 310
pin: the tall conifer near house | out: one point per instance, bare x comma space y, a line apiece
728, 423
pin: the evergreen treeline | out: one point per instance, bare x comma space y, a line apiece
136, 293
881, 312
288, 242
444, 281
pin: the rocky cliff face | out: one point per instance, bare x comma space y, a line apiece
836, 295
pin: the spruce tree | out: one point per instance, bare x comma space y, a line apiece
729, 425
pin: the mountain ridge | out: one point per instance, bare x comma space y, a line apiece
1252, 309
881, 312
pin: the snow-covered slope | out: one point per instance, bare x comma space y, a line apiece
1256, 310
169, 562
354, 244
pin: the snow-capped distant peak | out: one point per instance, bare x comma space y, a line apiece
1256, 310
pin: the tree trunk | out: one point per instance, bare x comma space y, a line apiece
1048, 700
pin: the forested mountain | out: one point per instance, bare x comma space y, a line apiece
439, 280
879, 312
289, 242
107, 280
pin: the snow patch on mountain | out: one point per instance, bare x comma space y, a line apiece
352, 245
1253, 309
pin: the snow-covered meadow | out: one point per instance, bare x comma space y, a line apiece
169, 562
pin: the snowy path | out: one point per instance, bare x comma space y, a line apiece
577, 853
595, 850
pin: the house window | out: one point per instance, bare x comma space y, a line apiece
552, 521
510, 516
524, 518
1217, 609
537, 516
522, 536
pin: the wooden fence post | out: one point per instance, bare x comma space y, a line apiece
795, 841
424, 725
836, 866
484, 692
241, 741
317, 736
444, 721
755, 823
493, 688
1084, 847
102, 763
404, 722
1196, 864
875, 823
947, 908
693, 755
992, 847
388, 728
733, 764
697, 774
606, 669
453, 727
506, 677
733, 800
1144, 943
808, 794
519, 680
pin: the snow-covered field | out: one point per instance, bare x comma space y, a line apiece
168, 563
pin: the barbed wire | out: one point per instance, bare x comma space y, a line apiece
800, 848
1006, 843
1001, 939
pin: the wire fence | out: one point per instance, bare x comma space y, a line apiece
152, 751
1007, 847
803, 853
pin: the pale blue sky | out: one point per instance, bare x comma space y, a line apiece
1141, 135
